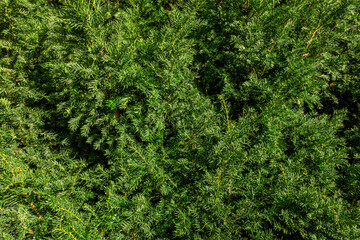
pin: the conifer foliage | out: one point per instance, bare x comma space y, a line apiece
186, 119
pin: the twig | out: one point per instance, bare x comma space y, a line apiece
313, 35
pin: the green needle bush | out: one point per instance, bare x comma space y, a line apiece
179, 119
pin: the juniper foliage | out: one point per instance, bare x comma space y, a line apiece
179, 119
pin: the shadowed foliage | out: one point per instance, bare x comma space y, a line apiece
179, 119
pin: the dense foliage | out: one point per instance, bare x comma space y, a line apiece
186, 119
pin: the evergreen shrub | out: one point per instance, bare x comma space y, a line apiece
179, 119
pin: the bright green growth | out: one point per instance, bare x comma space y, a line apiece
179, 119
